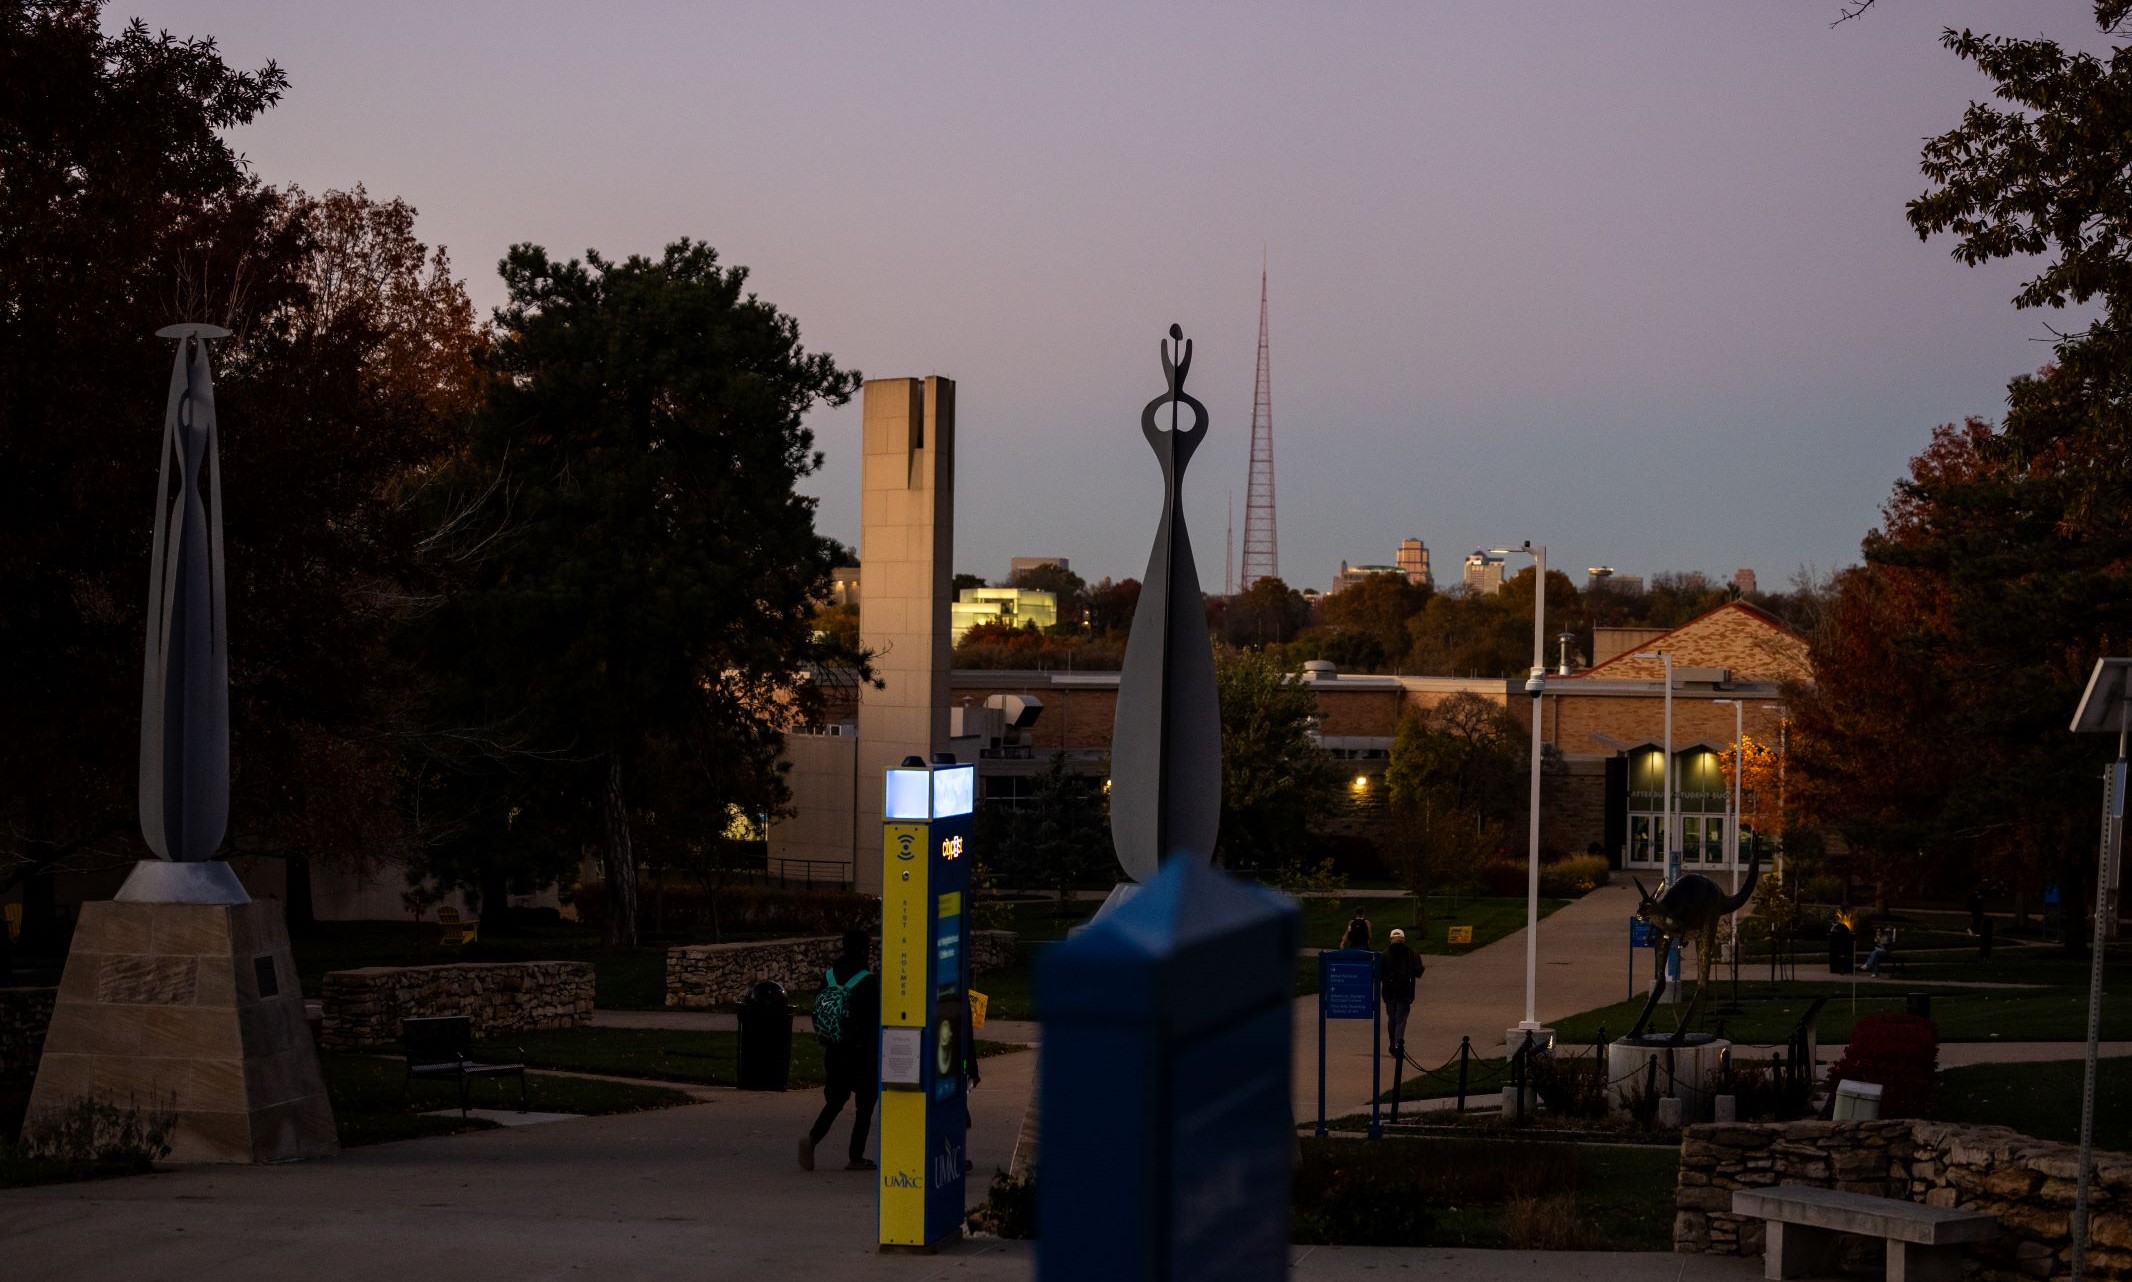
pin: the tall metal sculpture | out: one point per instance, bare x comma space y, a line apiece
1165, 789
185, 673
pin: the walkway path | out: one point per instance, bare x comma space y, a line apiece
1481, 994
709, 1191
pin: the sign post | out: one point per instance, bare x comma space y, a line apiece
1347, 989
925, 887
1640, 933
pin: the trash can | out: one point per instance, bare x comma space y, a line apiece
1857, 1101
1841, 949
765, 1038
1918, 1004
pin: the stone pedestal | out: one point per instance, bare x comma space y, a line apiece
192, 1008
1687, 1072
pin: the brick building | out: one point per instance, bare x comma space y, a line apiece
1607, 722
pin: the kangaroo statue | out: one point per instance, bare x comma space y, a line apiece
1689, 908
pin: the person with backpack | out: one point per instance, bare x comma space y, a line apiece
1358, 932
847, 1021
1399, 969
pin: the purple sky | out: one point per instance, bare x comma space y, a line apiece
1639, 288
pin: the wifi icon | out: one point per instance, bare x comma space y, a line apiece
903, 845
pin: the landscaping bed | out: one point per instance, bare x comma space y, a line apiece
374, 1103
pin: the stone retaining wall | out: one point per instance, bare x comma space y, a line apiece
364, 1007
25, 1013
699, 976
2028, 1183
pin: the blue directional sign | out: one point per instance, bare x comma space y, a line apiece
1347, 983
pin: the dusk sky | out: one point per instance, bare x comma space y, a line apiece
1629, 279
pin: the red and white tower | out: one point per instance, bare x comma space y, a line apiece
1262, 544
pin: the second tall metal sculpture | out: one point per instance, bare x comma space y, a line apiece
184, 790
1165, 789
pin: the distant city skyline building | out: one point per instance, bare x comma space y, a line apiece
1017, 564
1350, 575
1743, 579
1604, 578
1414, 562
1484, 573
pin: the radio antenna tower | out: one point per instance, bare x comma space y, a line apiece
1262, 544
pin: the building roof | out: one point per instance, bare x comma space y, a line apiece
1747, 640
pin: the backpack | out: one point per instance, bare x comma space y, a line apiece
833, 1005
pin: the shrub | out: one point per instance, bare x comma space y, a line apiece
1544, 1224
1570, 877
760, 911
1009, 1209
91, 1131
1900, 1054
1504, 878
1565, 878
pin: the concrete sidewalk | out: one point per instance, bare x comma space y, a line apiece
708, 1191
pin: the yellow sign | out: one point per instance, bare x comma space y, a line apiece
1460, 935
978, 1002
904, 919
951, 905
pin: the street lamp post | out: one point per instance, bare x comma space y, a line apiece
1732, 819
1535, 685
1672, 822
1783, 726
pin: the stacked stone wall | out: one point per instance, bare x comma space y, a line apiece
364, 1007
25, 1014
700, 976
2027, 1183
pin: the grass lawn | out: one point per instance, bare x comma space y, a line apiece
659, 1054
672, 1055
372, 1102
1492, 1193
1484, 1077
1963, 1015
2042, 1100
1324, 920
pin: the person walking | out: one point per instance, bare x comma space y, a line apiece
1358, 932
1400, 968
847, 1021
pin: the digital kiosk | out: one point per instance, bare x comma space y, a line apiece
925, 887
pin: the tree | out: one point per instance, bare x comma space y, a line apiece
1269, 612
1111, 606
1455, 774
633, 575
1059, 840
124, 208
2000, 570
1377, 608
1278, 785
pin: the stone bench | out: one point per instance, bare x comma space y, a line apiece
1924, 1242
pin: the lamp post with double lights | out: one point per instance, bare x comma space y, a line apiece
1783, 734
1732, 805
1535, 685
1670, 846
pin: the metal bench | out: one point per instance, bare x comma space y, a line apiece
442, 1046
1924, 1242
